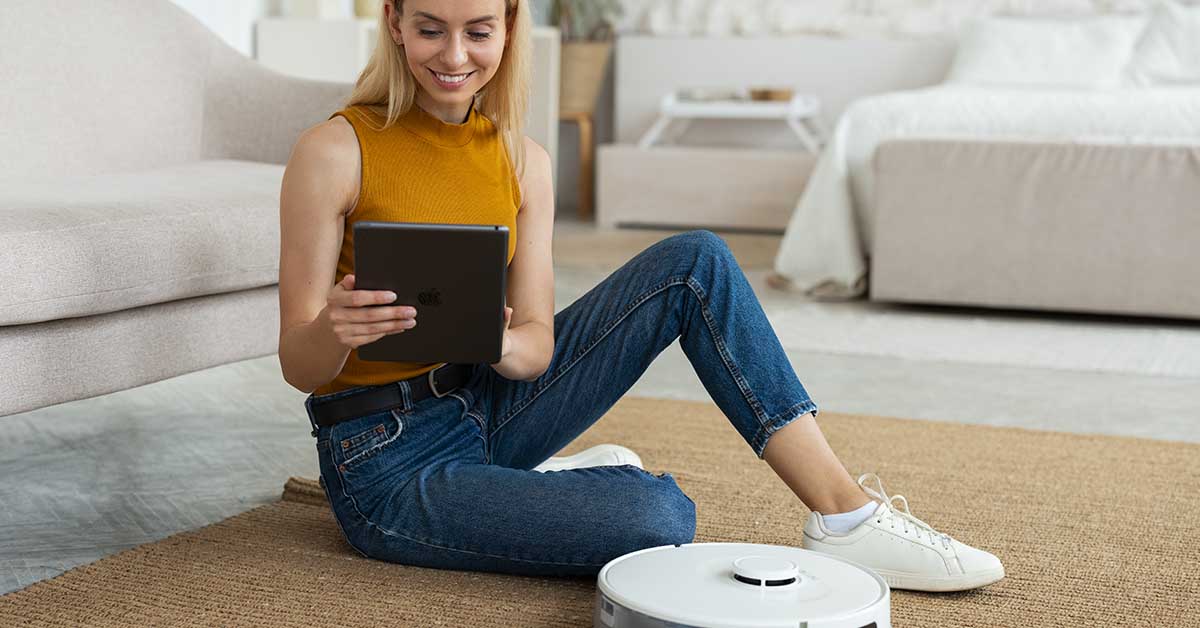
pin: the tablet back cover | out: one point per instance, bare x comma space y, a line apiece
454, 275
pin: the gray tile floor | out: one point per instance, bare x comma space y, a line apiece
89, 478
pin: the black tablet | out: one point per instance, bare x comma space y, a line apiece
454, 275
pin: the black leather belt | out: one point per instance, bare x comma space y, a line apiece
438, 382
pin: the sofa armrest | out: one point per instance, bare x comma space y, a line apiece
256, 114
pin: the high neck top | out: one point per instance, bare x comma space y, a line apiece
423, 170
436, 131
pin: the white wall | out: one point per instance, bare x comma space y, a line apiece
233, 20
837, 70
907, 18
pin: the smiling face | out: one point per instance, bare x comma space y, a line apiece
453, 49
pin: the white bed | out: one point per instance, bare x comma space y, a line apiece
825, 248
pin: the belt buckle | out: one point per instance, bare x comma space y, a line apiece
432, 385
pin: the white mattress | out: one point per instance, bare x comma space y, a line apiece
827, 241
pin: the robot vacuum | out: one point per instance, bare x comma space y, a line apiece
738, 585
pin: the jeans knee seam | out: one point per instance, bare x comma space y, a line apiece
743, 385
517, 408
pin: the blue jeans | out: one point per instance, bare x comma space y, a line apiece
447, 482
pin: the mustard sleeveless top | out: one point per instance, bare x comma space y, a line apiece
423, 170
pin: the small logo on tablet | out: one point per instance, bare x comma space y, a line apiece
431, 297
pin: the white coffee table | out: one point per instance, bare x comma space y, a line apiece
801, 114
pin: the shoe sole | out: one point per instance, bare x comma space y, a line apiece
910, 582
915, 582
592, 457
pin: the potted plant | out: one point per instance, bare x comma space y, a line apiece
587, 33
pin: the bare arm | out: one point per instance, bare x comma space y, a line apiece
531, 274
319, 185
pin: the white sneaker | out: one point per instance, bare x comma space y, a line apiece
905, 551
592, 457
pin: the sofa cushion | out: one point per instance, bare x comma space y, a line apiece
101, 243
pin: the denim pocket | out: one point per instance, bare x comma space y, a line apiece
363, 438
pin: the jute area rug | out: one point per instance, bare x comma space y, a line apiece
1093, 530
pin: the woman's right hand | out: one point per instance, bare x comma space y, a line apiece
354, 324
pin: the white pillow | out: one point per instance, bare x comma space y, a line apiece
1018, 51
1168, 52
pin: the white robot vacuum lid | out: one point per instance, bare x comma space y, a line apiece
738, 585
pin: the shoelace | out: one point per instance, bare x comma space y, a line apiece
904, 516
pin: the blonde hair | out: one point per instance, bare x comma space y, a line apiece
387, 80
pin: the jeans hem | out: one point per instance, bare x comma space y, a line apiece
779, 422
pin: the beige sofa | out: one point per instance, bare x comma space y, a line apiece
139, 197
1097, 228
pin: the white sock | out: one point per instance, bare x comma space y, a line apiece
846, 521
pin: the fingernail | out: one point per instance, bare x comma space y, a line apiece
391, 296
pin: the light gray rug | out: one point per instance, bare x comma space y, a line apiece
1073, 342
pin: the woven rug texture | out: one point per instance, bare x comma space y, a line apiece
1092, 530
